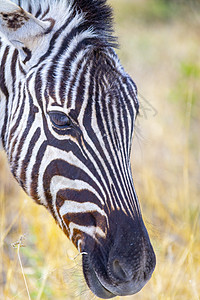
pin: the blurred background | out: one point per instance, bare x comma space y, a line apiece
160, 49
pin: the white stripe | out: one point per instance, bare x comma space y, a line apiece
90, 230
77, 207
60, 183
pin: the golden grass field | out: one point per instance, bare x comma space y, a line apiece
160, 49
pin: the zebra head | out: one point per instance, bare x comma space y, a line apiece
67, 118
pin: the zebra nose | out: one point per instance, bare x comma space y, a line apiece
137, 264
129, 276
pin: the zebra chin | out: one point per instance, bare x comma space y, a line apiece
104, 290
121, 264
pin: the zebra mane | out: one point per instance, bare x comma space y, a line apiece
99, 16
95, 14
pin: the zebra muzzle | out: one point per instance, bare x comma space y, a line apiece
121, 264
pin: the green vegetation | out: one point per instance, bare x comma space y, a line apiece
160, 50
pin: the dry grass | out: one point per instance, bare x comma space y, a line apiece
160, 49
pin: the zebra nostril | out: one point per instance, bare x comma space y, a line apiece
118, 270
145, 276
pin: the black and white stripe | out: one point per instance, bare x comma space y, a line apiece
80, 173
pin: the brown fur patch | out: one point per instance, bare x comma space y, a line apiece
15, 20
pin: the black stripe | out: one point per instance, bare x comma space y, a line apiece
3, 86
4, 89
35, 173
85, 219
27, 157
30, 8
46, 12
39, 11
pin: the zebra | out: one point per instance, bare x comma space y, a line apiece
67, 115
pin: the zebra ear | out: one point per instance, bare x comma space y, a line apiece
19, 26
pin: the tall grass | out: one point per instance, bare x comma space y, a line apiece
160, 50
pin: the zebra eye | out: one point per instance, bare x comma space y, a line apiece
59, 119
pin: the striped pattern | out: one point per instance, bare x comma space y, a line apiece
67, 113
81, 173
